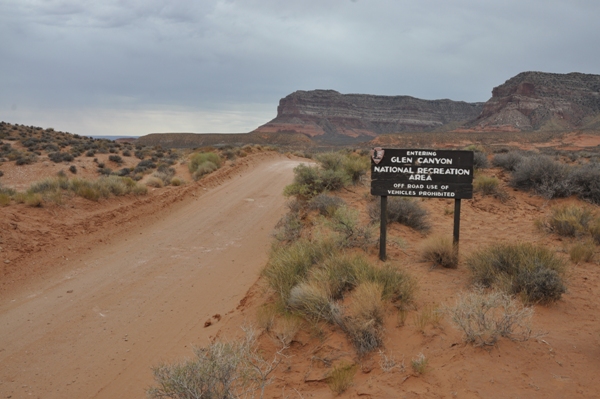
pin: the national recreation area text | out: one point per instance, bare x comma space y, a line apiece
423, 173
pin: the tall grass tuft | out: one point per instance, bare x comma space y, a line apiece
440, 251
534, 272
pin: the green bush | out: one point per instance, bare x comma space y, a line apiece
533, 271
404, 211
310, 181
198, 159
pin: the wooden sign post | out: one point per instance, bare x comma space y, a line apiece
421, 173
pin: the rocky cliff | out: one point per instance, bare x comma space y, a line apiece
331, 116
542, 101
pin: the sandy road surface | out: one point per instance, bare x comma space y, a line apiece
96, 331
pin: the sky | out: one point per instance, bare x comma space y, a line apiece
134, 67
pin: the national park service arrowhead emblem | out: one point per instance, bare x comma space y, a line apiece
377, 155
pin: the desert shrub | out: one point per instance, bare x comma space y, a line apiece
343, 272
486, 185
533, 271
326, 204
363, 319
289, 227
198, 159
582, 252
330, 160
507, 161
43, 186
440, 251
288, 265
586, 180
122, 172
594, 229
356, 166
126, 153
485, 318
543, 175
204, 169
286, 327
73, 169
25, 160
116, 159
58, 157
341, 377
162, 176
144, 165
404, 211
569, 221
480, 160
220, 370
352, 234
105, 171
310, 181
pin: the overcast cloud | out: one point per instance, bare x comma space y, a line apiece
132, 67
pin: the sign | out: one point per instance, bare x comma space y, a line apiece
422, 173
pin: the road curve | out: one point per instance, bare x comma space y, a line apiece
144, 299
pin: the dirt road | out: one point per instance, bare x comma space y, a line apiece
96, 330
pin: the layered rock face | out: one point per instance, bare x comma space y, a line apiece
542, 101
330, 114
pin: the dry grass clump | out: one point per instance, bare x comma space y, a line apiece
486, 185
594, 230
404, 211
220, 370
341, 377
534, 272
351, 233
313, 300
312, 278
440, 251
288, 265
429, 314
485, 318
154, 181
569, 221
582, 252
4, 199
326, 204
289, 227
203, 163
419, 364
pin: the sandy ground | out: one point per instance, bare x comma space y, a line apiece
90, 323
92, 295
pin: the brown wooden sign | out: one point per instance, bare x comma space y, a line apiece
422, 173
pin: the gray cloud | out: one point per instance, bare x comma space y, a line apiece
176, 63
